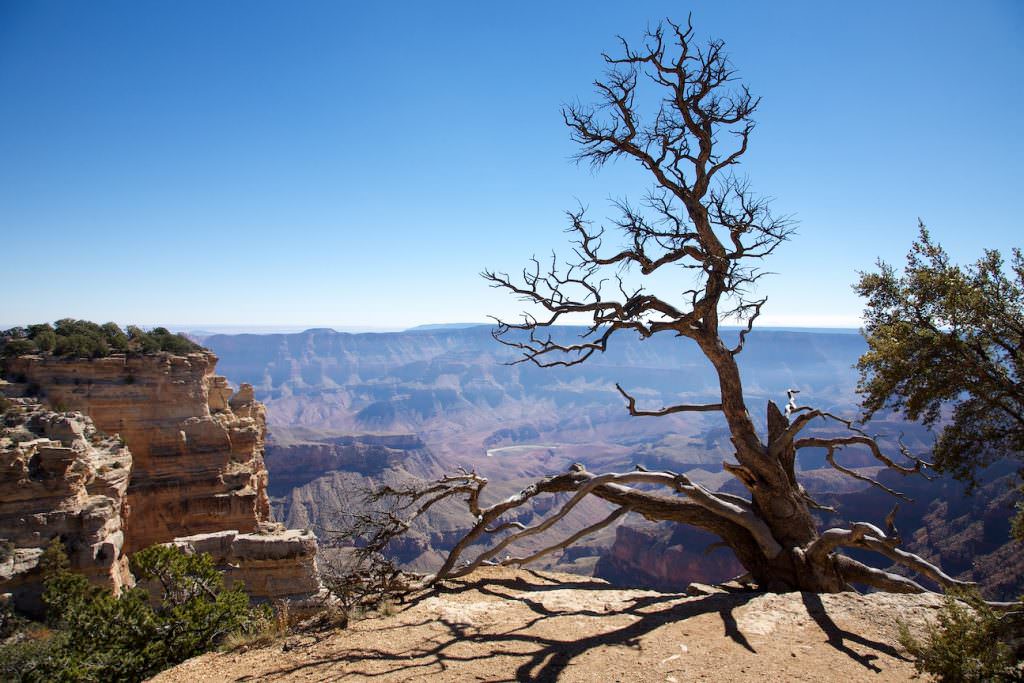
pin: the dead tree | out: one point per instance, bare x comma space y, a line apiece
701, 217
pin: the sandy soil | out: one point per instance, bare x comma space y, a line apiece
506, 625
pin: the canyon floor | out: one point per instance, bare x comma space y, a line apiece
515, 625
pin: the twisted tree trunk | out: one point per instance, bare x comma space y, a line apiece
698, 217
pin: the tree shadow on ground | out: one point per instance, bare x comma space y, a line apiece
545, 658
837, 637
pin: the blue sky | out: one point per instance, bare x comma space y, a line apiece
342, 164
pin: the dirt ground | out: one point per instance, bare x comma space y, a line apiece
514, 625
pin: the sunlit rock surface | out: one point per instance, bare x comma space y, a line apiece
197, 449
278, 565
196, 465
59, 478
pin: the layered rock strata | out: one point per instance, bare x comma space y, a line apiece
196, 466
59, 478
271, 566
197, 448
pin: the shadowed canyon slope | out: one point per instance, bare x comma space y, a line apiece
346, 410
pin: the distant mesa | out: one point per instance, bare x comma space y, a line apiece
447, 326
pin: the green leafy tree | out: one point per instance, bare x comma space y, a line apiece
946, 347
141, 340
173, 343
80, 339
17, 347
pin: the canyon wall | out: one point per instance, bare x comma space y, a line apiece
196, 466
966, 533
513, 424
296, 464
453, 392
197, 449
665, 557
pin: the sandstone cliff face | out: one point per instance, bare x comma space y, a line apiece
273, 566
197, 449
195, 471
60, 478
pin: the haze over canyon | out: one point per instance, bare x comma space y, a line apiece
347, 412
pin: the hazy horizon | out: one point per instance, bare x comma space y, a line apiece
241, 328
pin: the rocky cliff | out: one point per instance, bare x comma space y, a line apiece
320, 485
197, 449
196, 466
279, 565
59, 478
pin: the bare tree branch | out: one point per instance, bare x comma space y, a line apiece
615, 515
853, 571
701, 219
683, 408
870, 537
858, 439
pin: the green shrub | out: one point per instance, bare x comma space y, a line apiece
116, 339
16, 347
84, 339
174, 343
141, 340
99, 637
969, 642
194, 601
10, 621
38, 654
43, 336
